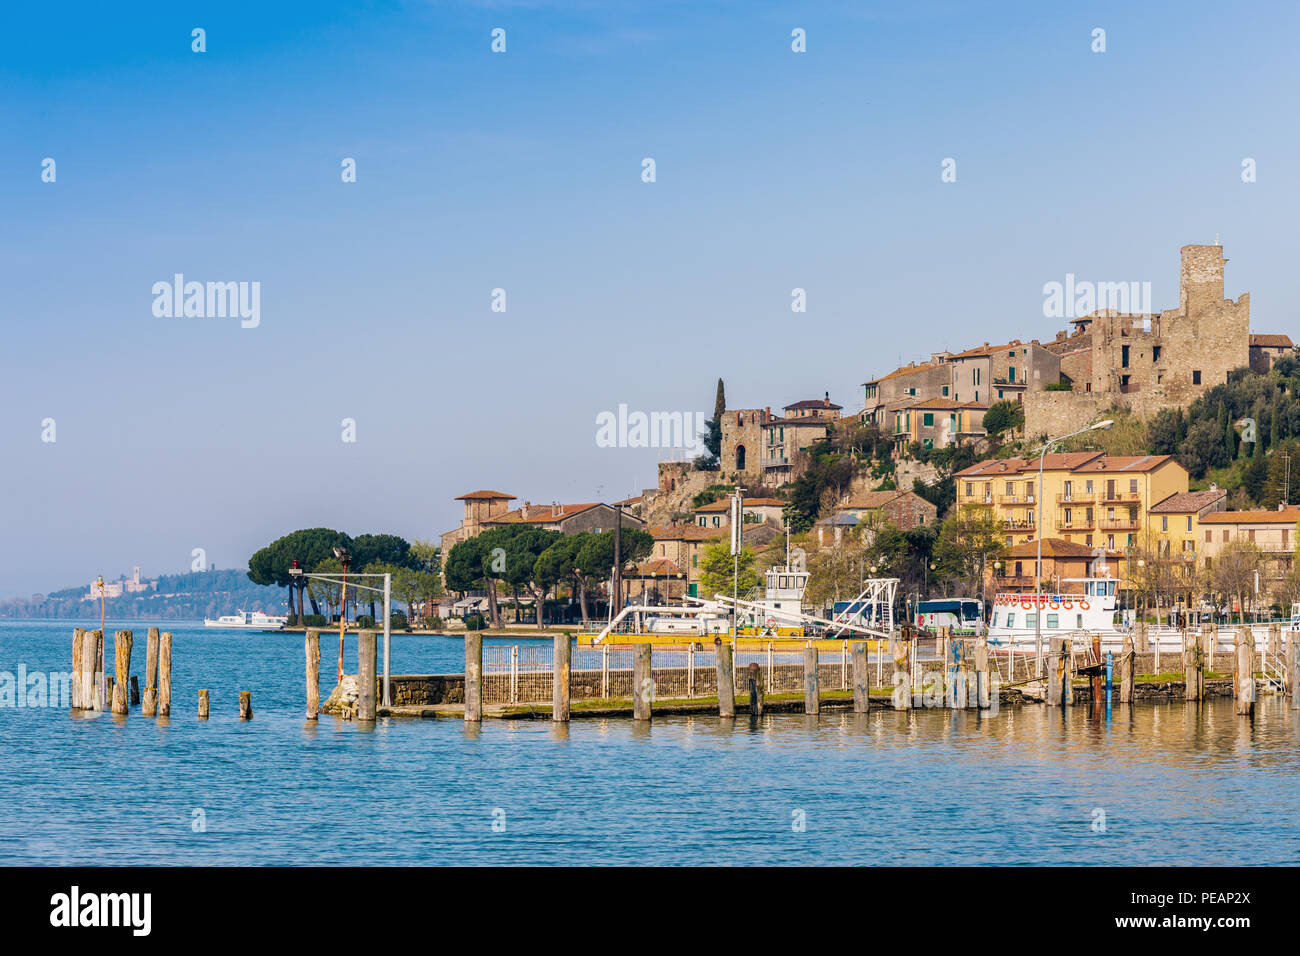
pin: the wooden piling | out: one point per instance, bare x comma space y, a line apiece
1057, 674
122, 641
1193, 667
899, 649
724, 656
1098, 677
1140, 633
560, 689
149, 708
78, 635
135, 691
1126, 658
642, 681
983, 681
1244, 684
755, 690
473, 676
246, 705
100, 699
312, 648
861, 679
367, 658
203, 704
165, 674
1293, 668
811, 691
88, 678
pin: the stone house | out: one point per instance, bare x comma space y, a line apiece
1273, 532
684, 545
938, 423
717, 514
1267, 349
741, 452
784, 438
570, 519
903, 509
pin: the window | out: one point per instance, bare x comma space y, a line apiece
1208, 532
1011, 373
927, 419
1011, 619
717, 521
1196, 376
1225, 534
695, 560
1133, 486
1250, 535
1164, 522
1069, 490
945, 391
1010, 486
1155, 353
1189, 524
1069, 517
1110, 542
1123, 356
968, 489
1031, 620
999, 393
1051, 621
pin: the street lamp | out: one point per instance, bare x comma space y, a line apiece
1038, 563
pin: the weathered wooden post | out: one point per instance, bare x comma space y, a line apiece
755, 690
473, 676
1193, 666
1126, 657
135, 691
150, 706
643, 685
983, 682
861, 679
245, 705
1057, 676
91, 698
1244, 684
1293, 668
122, 660
1140, 633
165, 674
312, 647
366, 671
899, 648
203, 704
560, 679
956, 674
725, 661
77, 670
811, 690
1098, 677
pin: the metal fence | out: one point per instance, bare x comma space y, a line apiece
518, 674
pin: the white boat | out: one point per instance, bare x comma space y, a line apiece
249, 621
1091, 610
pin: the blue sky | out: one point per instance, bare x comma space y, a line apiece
522, 171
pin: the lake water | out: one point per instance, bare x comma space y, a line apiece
1176, 784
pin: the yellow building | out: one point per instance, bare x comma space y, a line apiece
1175, 523
1088, 498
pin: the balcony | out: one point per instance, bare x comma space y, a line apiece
1018, 524
1079, 521
977, 500
1074, 497
1120, 524
1015, 499
1120, 497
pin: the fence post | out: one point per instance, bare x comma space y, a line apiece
560, 679
604, 672
1244, 682
165, 674
844, 665
861, 679
312, 647
725, 661
149, 708
245, 705
78, 638
643, 685
1209, 641
1140, 632
122, 641
755, 690
1126, 671
203, 704
690, 670
367, 656
514, 673
473, 676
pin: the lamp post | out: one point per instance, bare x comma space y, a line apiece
103, 640
1038, 536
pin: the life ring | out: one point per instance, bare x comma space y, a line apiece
1068, 605
1083, 605
1053, 605
771, 622
1026, 603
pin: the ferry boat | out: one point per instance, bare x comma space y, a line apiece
1090, 611
249, 621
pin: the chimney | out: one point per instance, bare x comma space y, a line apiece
827, 400
527, 510
556, 510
